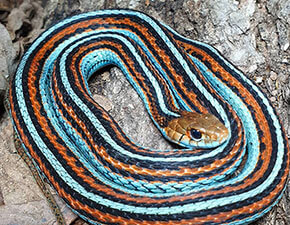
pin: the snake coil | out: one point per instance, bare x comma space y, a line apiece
194, 96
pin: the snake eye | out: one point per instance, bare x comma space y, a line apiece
195, 134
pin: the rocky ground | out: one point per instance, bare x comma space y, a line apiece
254, 35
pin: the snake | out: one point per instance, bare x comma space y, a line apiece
197, 99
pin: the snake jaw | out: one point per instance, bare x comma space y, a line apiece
209, 130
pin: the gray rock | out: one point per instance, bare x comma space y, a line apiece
7, 56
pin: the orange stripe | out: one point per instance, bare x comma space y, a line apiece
103, 217
132, 168
250, 100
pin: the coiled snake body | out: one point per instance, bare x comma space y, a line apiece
194, 96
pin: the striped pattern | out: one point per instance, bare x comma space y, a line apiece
105, 177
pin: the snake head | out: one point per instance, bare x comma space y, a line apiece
196, 130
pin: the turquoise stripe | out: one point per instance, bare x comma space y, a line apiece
95, 57
270, 109
176, 209
45, 34
153, 210
249, 124
186, 67
246, 117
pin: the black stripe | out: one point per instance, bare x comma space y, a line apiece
152, 217
116, 154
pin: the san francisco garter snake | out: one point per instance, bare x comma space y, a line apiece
194, 96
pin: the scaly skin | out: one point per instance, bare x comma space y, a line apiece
105, 177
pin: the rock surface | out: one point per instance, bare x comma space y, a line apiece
254, 35
7, 56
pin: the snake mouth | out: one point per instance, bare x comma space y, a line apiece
197, 130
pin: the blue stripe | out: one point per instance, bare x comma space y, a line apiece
176, 209
94, 57
237, 103
249, 124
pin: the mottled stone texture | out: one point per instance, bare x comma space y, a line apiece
254, 35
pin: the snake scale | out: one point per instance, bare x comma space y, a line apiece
194, 96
